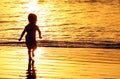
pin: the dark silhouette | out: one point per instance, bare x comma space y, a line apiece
31, 72
31, 29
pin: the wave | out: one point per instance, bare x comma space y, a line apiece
7, 21
67, 44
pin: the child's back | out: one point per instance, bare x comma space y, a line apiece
31, 29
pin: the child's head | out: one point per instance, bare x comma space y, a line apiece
32, 18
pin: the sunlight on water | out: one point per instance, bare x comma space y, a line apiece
65, 20
38, 53
40, 9
61, 22
67, 23
33, 6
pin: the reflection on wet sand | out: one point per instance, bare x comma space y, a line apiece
60, 63
31, 72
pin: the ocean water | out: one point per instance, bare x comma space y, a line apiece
73, 22
63, 23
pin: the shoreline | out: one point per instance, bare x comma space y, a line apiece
66, 44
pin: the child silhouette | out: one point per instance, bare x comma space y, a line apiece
31, 29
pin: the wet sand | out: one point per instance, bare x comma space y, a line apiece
60, 63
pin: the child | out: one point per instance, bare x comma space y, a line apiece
31, 29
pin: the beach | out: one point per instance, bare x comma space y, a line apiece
60, 63
80, 39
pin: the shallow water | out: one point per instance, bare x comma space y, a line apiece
60, 63
71, 20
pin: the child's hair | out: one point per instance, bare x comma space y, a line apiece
32, 18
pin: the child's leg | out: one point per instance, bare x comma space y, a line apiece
33, 52
29, 54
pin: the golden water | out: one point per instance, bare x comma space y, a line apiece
60, 63
62, 20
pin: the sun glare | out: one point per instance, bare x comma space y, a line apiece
33, 6
38, 53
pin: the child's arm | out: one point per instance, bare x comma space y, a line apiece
39, 32
21, 35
